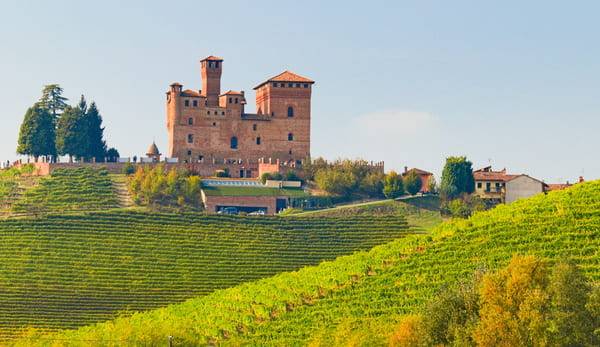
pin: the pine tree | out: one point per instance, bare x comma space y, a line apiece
37, 135
95, 146
70, 135
52, 100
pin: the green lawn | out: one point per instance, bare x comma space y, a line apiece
252, 191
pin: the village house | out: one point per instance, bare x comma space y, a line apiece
425, 177
500, 187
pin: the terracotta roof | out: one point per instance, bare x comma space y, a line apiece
175, 84
212, 57
418, 171
232, 92
189, 92
153, 150
287, 76
493, 176
558, 186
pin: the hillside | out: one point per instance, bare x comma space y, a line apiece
65, 271
68, 190
360, 298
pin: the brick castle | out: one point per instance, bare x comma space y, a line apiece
210, 127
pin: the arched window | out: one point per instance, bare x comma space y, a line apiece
190, 121
190, 138
290, 137
234, 143
290, 111
258, 140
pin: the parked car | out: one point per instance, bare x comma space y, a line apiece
257, 213
229, 210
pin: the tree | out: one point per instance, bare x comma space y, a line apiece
393, 186
432, 185
372, 184
93, 134
37, 135
112, 155
412, 182
52, 100
69, 133
457, 178
335, 181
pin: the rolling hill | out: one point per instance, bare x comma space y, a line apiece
359, 299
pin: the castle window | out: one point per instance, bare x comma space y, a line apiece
207, 112
200, 158
230, 100
216, 64
234, 143
254, 127
210, 64
236, 100
258, 140
274, 84
297, 85
222, 113
272, 114
290, 152
189, 152
291, 85
290, 137
214, 124
190, 121
187, 103
290, 111
205, 102
305, 85
195, 103
190, 138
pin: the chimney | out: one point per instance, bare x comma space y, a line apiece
405, 169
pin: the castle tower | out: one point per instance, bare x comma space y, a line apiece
211, 68
285, 98
173, 113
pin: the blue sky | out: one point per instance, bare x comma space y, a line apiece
512, 83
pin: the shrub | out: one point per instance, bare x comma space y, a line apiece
157, 187
393, 186
128, 169
412, 183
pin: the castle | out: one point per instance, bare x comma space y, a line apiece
211, 127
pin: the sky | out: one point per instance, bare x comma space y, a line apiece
514, 84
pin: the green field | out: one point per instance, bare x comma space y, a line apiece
358, 299
71, 270
69, 190
252, 191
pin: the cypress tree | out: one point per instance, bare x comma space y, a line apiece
70, 138
95, 146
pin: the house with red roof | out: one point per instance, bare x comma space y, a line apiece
501, 187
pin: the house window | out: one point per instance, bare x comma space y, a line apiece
254, 127
234, 143
290, 111
236, 100
497, 187
488, 186
290, 137
258, 140
187, 103
195, 103
478, 185
230, 100
190, 121
190, 138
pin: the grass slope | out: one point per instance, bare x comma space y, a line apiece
65, 271
68, 190
360, 298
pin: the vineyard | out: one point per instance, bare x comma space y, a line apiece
360, 298
65, 271
68, 190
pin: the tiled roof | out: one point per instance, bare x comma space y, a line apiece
287, 76
232, 92
212, 57
493, 176
418, 171
558, 186
153, 150
189, 92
